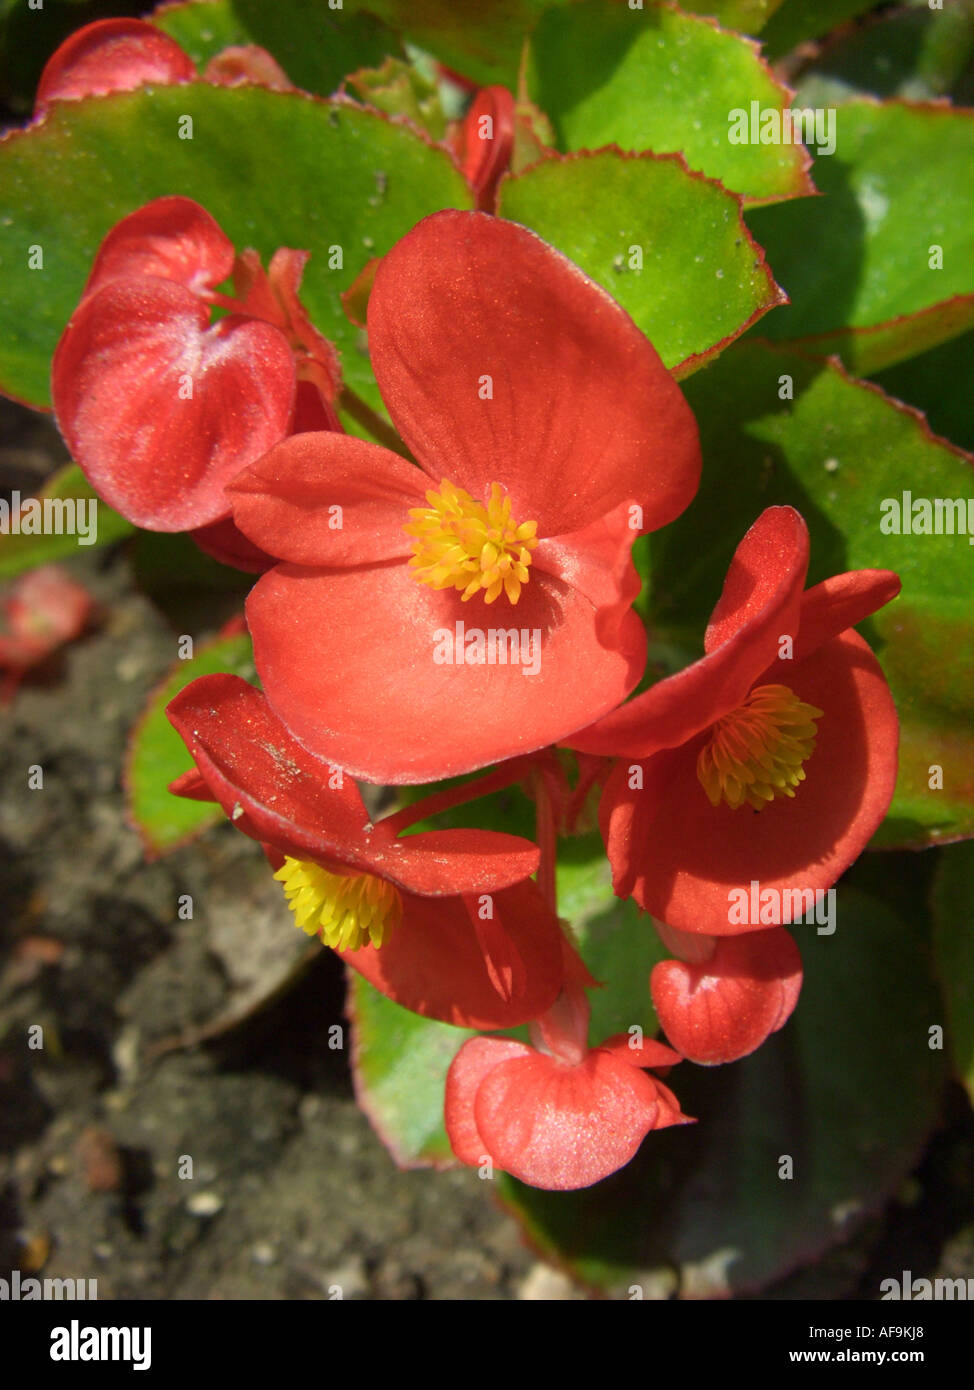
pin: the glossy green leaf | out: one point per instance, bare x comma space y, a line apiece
799, 20
481, 41
669, 245
317, 46
156, 753
941, 384
953, 910
25, 552
867, 351
274, 168
915, 53
747, 16
704, 1210
897, 200
657, 79
400, 1061
836, 452
617, 940
401, 90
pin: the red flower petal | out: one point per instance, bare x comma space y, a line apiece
273, 295
726, 1007
193, 785
597, 563
583, 413
760, 603
840, 603
680, 857
476, 1058
128, 355
171, 238
285, 501
649, 1053
562, 1127
311, 413
669, 1108
764, 583
284, 276
111, 55
352, 672
434, 962
225, 542
279, 793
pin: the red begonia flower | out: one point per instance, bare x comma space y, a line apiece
484, 141
160, 407
546, 429
43, 610
726, 995
111, 55
788, 712
556, 1122
466, 937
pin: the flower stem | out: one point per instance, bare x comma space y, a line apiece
504, 776
545, 835
380, 430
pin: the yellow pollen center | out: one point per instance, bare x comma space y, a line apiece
757, 752
459, 543
345, 911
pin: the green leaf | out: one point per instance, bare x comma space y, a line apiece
156, 754
481, 41
918, 54
617, 940
670, 246
747, 16
26, 552
400, 90
172, 570
400, 1061
274, 169
315, 45
657, 79
867, 351
953, 911
847, 1097
799, 20
836, 452
860, 256
941, 384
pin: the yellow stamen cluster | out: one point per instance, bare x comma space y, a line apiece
757, 752
458, 543
346, 911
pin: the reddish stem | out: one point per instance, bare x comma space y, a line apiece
545, 835
504, 776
